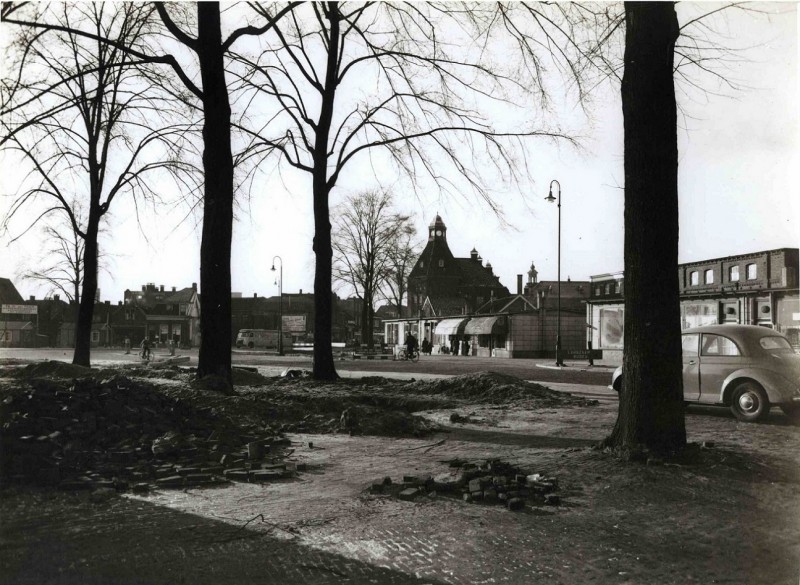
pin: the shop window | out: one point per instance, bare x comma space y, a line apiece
708, 277
694, 278
733, 274
752, 272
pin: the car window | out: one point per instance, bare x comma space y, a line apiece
718, 345
775, 343
689, 344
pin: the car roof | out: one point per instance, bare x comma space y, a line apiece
735, 330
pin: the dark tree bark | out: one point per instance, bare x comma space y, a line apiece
651, 411
215, 248
324, 367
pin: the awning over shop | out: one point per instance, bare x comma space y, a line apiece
486, 325
451, 326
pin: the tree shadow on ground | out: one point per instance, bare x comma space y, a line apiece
65, 538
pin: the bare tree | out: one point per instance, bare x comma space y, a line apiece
367, 231
208, 87
401, 260
81, 117
380, 78
62, 260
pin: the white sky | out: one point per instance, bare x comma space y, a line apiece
738, 189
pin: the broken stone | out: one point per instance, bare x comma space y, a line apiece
408, 494
552, 500
515, 504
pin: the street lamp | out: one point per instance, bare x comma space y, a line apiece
280, 302
550, 198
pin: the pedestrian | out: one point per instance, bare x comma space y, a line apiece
411, 345
426, 347
465, 347
145, 345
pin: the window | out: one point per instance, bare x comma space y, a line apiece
441, 263
608, 288
183, 308
95, 335
689, 344
598, 291
708, 277
752, 272
776, 343
733, 274
616, 288
714, 345
694, 278
422, 263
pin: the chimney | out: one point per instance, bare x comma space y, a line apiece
56, 297
162, 288
108, 303
194, 286
173, 289
119, 303
33, 298
519, 284
255, 295
301, 291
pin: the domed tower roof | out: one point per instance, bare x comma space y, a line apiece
532, 274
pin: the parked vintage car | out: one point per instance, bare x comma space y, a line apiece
745, 367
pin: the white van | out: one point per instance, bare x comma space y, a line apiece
252, 338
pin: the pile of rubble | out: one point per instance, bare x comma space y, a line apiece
116, 432
491, 482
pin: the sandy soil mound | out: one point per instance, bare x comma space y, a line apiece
50, 369
495, 388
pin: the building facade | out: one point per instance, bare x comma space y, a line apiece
760, 288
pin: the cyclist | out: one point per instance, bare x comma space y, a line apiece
411, 345
145, 349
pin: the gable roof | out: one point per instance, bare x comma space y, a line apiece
509, 304
8, 293
185, 295
445, 305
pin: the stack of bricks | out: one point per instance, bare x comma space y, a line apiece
493, 483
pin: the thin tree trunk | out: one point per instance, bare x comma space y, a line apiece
215, 248
651, 411
83, 325
324, 368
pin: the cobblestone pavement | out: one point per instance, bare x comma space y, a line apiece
616, 524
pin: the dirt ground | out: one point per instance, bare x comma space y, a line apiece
728, 512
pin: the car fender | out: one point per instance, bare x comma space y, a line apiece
776, 386
614, 377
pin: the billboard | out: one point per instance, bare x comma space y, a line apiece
294, 323
20, 309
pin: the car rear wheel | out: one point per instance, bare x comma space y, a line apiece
749, 402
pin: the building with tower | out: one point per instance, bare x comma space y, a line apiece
450, 284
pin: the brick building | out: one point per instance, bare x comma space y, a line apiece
440, 277
759, 288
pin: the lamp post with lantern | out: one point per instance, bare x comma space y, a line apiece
551, 199
280, 302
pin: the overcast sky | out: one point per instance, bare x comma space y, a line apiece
738, 189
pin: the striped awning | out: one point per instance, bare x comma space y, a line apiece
486, 325
451, 326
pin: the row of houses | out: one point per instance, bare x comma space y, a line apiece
159, 315
163, 315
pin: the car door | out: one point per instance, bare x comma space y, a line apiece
690, 344
719, 356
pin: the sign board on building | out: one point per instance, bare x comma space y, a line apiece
20, 309
294, 323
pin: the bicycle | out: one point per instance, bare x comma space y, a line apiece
403, 355
146, 354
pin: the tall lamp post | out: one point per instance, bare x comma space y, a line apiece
280, 302
550, 198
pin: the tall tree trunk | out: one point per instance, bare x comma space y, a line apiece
366, 326
215, 248
651, 411
324, 368
83, 325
